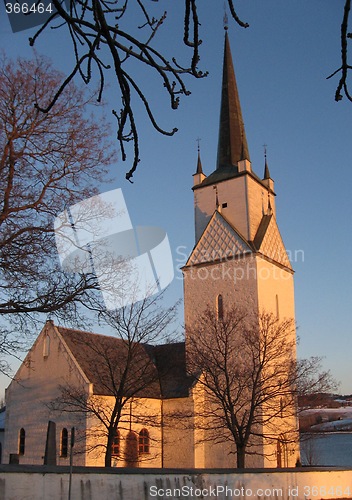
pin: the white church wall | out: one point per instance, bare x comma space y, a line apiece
231, 192
234, 279
275, 289
276, 296
246, 200
46, 367
178, 421
257, 196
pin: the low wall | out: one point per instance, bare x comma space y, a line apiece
19, 482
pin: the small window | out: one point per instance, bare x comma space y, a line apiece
220, 307
115, 446
277, 306
64, 443
143, 443
22, 442
46, 346
224, 205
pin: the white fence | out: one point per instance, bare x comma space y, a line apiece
41, 483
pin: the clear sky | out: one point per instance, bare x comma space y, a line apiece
281, 63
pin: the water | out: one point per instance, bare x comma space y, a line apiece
333, 449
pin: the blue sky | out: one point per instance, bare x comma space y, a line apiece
281, 63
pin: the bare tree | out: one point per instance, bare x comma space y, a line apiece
94, 25
47, 162
123, 371
310, 448
247, 367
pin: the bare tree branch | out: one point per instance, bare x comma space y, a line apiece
48, 161
247, 367
345, 67
96, 31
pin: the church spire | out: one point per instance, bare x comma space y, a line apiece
199, 176
232, 146
199, 163
266, 168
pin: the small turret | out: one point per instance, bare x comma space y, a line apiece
199, 176
267, 180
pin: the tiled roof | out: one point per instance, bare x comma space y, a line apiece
219, 242
154, 371
268, 241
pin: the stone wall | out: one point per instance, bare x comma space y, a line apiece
41, 483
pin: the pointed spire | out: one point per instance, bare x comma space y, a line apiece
266, 168
232, 146
199, 161
199, 176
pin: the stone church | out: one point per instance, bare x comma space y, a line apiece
238, 258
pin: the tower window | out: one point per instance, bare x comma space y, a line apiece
224, 205
64, 443
143, 442
115, 447
22, 442
220, 307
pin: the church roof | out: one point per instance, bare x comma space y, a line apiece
156, 371
268, 241
219, 242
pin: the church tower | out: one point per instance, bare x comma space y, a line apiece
239, 257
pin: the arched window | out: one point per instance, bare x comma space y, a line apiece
115, 446
220, 307
22, 442
143, 442
131, 451
64, 443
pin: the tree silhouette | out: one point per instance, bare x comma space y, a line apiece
47, 162
246, 365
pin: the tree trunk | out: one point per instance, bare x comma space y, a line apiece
241, 456
108, 450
